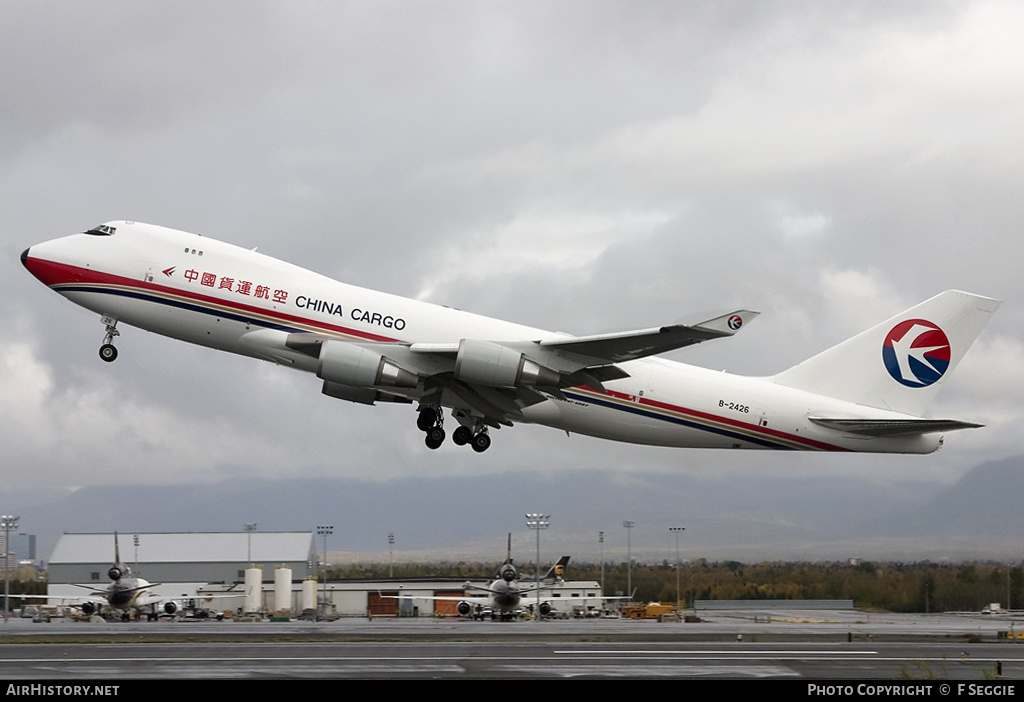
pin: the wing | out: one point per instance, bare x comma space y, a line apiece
492, 381
148, 599
438, 598
63, 599
627, 346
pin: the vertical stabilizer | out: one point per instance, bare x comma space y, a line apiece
900, 364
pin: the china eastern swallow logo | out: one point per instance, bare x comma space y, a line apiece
735, 322
916, 353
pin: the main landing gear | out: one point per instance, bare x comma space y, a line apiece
108, 352
480, 441
430, 420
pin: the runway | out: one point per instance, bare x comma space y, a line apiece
820, 646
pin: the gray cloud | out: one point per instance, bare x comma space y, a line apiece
581, 167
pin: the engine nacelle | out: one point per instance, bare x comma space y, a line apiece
464, 608
545, 609
171, 607
347, 364
364, 396
495, 365
89, 608
114, 573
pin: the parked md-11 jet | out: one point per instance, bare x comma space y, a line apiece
126, 594
503, 598
868, 393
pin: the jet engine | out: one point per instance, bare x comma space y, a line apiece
464, 608
114, 573
495, 365
171, 607
545, 609
89, 608
347, 364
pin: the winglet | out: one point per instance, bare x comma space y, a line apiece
728, 324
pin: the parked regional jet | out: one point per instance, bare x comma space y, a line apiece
866, 394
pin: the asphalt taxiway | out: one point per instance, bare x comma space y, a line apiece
762, 644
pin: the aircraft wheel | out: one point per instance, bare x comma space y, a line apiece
481, 442
435, 437
108, 352
426, 419
462, 436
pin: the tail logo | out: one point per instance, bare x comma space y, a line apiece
916, 353
735, 322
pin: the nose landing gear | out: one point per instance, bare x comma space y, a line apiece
108, 352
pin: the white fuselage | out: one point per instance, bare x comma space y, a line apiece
215, 294
128, 593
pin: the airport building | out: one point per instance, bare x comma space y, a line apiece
179, 564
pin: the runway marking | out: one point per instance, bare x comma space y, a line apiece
766, 652
650, 671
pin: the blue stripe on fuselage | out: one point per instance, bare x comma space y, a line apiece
767, 443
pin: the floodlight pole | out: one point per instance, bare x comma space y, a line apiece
537, 522
249, 527
8, 522
676, 531
629, 524
391, 555
324, 530
600, 540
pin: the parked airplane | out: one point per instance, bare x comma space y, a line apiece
503, 597
125, 594
866, 394
504, 593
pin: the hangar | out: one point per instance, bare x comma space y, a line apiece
178, 563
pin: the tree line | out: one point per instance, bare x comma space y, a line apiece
897, 587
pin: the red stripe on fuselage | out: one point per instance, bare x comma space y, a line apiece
56, 275
699, 415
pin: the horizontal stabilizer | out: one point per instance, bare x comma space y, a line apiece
892, 427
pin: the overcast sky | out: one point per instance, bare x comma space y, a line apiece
576, 166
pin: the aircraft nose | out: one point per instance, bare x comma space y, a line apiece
24, 257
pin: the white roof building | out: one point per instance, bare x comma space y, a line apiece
187, 557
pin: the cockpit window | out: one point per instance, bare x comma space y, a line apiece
102, 230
